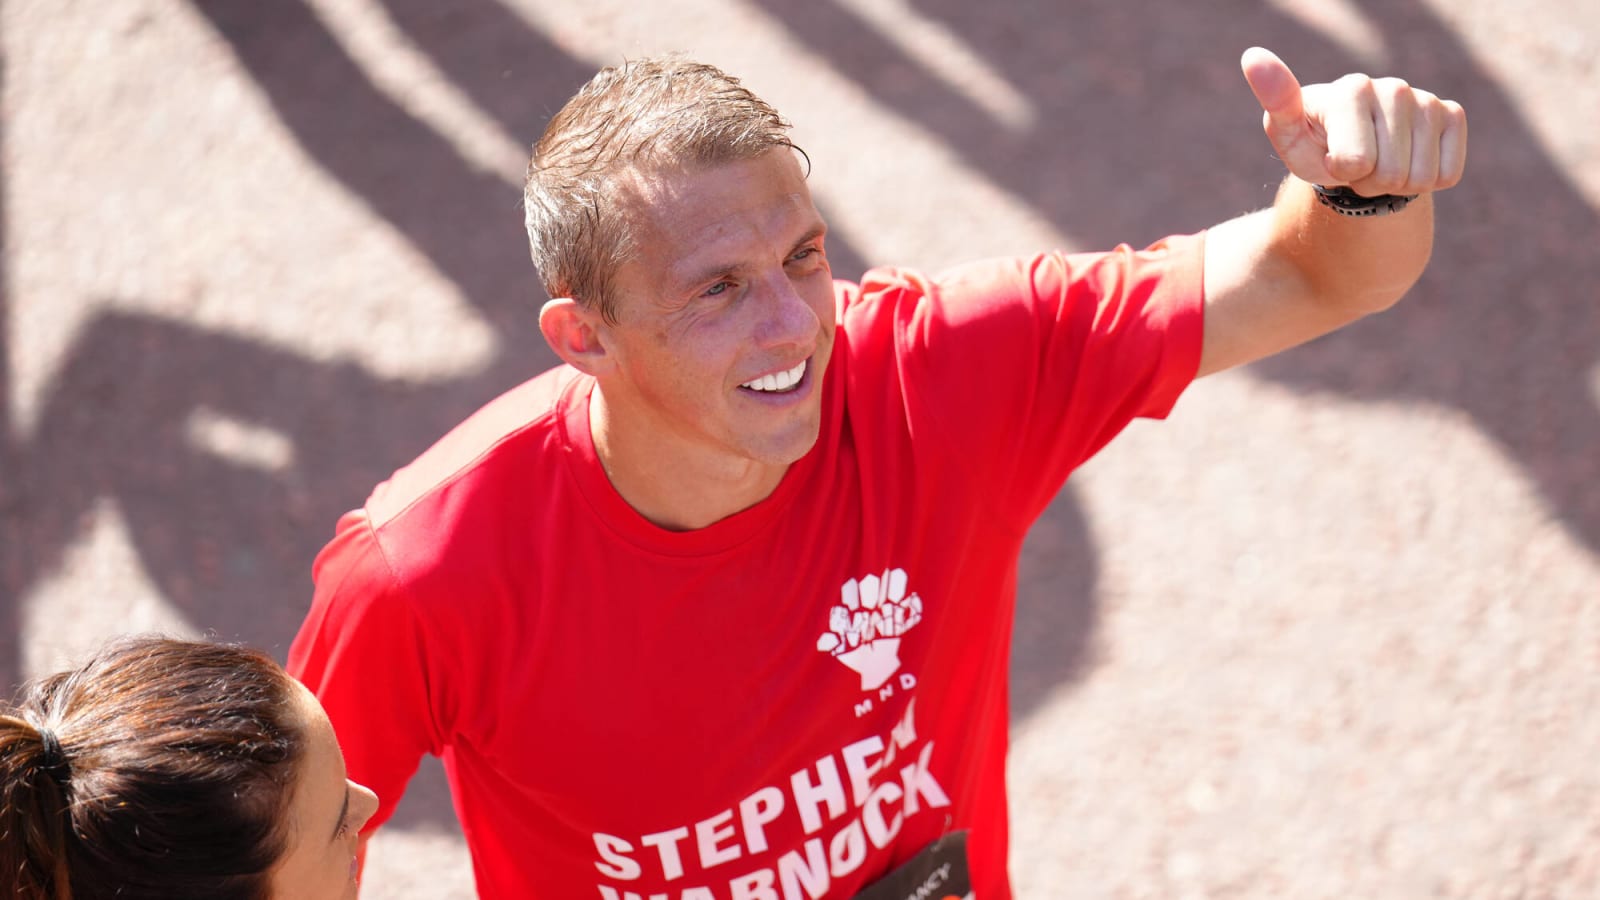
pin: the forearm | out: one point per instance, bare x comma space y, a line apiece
1287, 274
1350, 264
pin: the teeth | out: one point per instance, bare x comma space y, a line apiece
782, 381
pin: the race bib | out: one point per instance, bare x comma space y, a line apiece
939, 872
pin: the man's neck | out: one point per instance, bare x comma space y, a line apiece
669, 484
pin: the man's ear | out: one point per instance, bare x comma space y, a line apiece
574, 332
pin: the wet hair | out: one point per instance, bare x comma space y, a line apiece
642, 115
158, 769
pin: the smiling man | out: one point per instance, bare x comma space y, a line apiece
720, 608
710, 368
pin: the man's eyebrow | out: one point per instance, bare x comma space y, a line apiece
718, 270
344, 811
815, 232
702, 275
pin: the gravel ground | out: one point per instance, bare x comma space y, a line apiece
1331, 631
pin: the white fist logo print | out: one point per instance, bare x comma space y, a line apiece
865, 628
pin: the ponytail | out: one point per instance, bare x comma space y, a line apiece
158, 770
35, 786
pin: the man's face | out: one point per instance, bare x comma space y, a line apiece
725, 315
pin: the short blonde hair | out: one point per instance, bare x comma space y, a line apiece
641, 114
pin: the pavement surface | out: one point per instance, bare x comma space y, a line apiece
1330, 631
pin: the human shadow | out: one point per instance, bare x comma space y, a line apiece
1141, 125
1135, 134
228, 542
1052, 635
1505, 324
466, 220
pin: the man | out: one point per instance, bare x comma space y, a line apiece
721, 608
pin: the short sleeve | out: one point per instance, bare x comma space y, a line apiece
364, 653
1027, 367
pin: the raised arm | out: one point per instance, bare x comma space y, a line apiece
1284, 275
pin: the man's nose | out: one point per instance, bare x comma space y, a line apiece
786, 317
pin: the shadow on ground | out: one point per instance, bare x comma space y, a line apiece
1143, 127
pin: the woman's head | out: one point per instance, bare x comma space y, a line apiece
174, 769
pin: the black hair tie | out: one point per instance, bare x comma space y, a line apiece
54, 760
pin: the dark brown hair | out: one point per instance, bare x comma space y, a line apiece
641, 114
158, 769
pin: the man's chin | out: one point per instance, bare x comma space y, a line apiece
786, 450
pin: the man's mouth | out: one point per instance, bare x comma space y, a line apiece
779, 382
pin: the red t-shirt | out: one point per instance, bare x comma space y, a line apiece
785, 704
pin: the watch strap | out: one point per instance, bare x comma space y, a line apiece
1346, 202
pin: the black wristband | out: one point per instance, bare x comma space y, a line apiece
1347, 202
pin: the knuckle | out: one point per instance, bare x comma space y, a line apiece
1428, 125
1351, 166
1395, 95
1358, 86
1355, 81
1432, 113
1390, 174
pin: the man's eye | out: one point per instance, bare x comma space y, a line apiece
803, 254
720, 287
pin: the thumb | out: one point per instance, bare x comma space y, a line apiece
1278, 92
1284, 113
